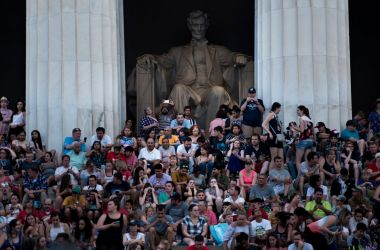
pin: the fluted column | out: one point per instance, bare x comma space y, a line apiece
302, 57
74, 67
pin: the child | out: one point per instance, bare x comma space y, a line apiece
359, 240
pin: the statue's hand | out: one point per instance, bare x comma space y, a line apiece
146, 61
240, 60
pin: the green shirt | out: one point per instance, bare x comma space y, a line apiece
319, 212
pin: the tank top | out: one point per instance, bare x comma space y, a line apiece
112, 236
275, 125
54, 231
248, 179
308, 127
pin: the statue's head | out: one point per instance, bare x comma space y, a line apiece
198, 23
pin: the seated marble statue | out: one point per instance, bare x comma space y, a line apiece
198, 74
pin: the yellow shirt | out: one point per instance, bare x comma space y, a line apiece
173, 139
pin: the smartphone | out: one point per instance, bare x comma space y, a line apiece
85, 139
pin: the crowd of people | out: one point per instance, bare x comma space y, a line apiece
246, 182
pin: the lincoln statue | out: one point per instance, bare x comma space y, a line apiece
198, 74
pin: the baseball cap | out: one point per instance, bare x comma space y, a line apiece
377, 155
320, 124
76, 190
341, 198
252, 90
76, 130
4, 99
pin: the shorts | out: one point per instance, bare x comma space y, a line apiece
305, 144
248, 131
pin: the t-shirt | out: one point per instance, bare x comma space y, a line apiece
306, 246
161, 227
266, 192
60, 170
319, 212
260, 228
177, 212
172, 139
106, 140
69, 141
112, 187
252, 115
77, 160
347, 134
149, 155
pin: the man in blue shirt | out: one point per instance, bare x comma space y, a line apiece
179, 123
68, 143
350, 133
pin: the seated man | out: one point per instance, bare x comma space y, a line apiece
181, 177
166, 149
279, 177
186, 152
35, 188
76, 200
262, 190
150, 153
318, 207
29, 162
101, 136
259, 153
92, 185
308, 168
160, 226
177, 209
118, 187
237, 202
68, 142
77, 157
173, 139
67, 169
350, 133
179, 123
159, 179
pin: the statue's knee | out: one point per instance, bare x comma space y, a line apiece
179, 87
217, 90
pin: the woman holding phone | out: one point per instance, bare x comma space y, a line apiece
111, 227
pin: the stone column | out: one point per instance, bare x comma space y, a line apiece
74, 67
302, 56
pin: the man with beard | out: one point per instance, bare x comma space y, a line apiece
166, 115
318, 207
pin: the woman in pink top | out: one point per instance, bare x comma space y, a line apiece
247, 176
218, 121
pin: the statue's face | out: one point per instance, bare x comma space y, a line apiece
198, 28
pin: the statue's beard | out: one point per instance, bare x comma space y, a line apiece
165, 112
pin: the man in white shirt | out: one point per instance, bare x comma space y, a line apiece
236, 201
186, 152
260, 227
150, 153
105, 140
93, 185
67, 169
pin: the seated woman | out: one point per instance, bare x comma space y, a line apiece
148, 197
205, 161
97, 155
48, 167
330, 169
190, 192
126, 138
193, 224
195, 133
293, 202
236, 159
37, 146
214, 194
247, 176
83, 234
20, 144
